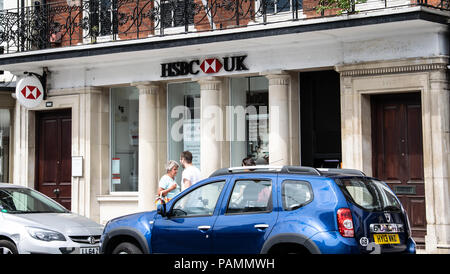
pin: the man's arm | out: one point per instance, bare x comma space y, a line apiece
186, 183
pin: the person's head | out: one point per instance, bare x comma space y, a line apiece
248, 161
172, 168
185, 158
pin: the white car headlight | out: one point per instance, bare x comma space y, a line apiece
45, 234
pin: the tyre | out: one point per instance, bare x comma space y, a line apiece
127, 248
7, 247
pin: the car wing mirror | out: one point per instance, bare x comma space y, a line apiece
161, 209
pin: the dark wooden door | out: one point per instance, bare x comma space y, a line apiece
398, 153
54, 156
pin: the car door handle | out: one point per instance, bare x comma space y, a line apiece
261, 226
204, 227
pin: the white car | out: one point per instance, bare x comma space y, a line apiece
30, 222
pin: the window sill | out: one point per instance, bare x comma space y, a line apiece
118, 197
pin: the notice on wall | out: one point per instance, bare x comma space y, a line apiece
115, 180
115, 166
191, 139
77, 166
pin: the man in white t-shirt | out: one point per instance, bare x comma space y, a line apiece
191, 174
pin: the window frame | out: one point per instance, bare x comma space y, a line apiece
112, 191
284, 182
271, 198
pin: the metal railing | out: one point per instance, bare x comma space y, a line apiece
75, 22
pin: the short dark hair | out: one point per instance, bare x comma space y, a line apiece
187, 155
248, 161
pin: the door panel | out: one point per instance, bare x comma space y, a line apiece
189, 224
50, 156
54, 156
245, 232
398, 153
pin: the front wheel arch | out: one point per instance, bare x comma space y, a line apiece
118, 236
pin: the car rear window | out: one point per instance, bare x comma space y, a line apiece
370, 194
295, 194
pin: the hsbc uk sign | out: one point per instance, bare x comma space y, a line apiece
208, 66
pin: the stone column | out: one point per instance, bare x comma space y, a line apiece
211, 125
436, 109
279, 145
148, 147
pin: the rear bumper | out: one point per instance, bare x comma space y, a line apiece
332, 242
410, 246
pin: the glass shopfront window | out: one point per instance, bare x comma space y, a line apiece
124, 139
249, 120
5, 125
183, 122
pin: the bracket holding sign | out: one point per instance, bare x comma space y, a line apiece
42, 78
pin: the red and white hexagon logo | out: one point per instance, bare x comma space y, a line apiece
211, 65
29, 91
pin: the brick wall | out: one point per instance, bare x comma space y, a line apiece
225, 16
61, 16
141, 24
309, 9
128, 27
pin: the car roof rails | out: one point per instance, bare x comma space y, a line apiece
267, 168
341, 171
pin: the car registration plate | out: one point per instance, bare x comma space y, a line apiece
386, 239
89, 250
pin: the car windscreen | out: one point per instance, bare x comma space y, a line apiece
369, 194
24, 200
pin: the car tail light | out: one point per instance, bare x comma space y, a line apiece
345, 222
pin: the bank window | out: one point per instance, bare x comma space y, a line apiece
124, 138
183, 105
5, 125
295, 194
249, 116
250, 196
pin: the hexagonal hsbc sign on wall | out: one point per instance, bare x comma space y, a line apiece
211, 65
29, 91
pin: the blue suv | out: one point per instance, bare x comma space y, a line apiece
270, 209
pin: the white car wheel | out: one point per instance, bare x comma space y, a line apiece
7, 247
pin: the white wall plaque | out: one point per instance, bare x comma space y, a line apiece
77, 166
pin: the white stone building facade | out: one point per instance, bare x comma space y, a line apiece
123, 107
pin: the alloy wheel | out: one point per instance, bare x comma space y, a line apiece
5, 250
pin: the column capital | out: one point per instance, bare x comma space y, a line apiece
210, 83
277, 78
151, 88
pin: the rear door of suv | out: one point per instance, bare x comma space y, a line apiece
379, 220
248, 214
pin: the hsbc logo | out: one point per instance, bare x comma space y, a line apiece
208, 66
211, 65
31, 92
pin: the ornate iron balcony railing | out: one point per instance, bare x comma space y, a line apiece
74, 22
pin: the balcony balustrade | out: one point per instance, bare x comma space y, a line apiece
77, 22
